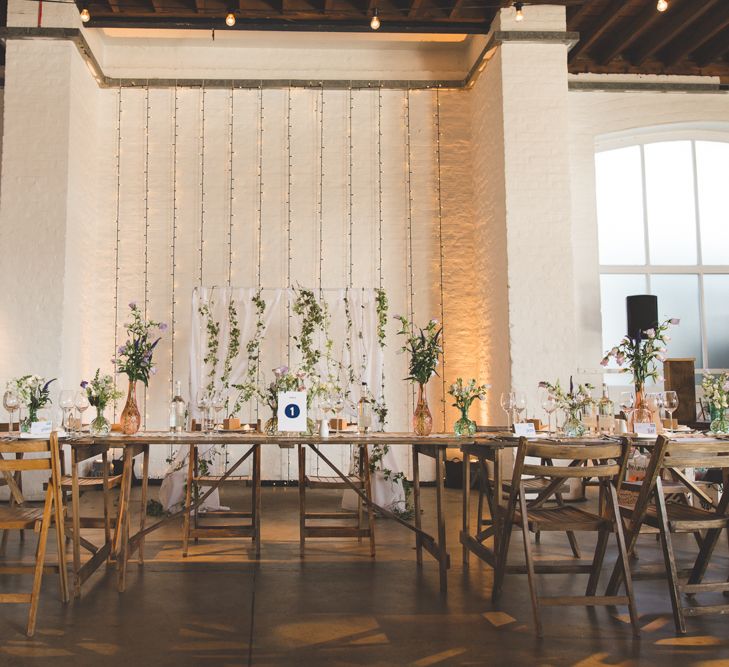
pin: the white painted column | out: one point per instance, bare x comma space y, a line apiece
523, 186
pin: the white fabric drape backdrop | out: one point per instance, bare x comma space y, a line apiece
361, 351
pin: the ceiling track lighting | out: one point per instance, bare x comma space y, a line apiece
375, 22
662, 5
85, 15
519, 7
230, 18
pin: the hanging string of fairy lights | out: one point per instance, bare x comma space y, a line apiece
202, 179
379, 215
259, 222
321, 189
288, 225
350, 152
146, 227
231, 189
409, 248
117, 223
173, 250
440, 244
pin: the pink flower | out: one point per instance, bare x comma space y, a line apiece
725, 386
605, 362
674, 321
651, 333
614, 351
620, 358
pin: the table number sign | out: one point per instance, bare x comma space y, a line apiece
292, 411
526, 429
645, 428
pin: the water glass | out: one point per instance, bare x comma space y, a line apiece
66, 401
670, 405
11, 403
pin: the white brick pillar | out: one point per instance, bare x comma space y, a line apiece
522, 171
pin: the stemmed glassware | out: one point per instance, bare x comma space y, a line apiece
549, 405
218, 404
670, 405
11, 403
81, 402
627, 405
203, 405
338, 406
507, 405
66, 401
520, 403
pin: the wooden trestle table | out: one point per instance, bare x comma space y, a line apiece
125, 543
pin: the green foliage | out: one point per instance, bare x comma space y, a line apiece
424, 348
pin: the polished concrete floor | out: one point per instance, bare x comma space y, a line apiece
337, 606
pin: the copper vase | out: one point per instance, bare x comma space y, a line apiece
131, 419
422, 419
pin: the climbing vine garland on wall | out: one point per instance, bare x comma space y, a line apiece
248, 389
212, 344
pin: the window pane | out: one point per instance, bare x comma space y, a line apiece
712, 165
716, 302
613, 290
670, 202
678, 296
620, 206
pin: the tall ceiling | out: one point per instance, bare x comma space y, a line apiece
616, 36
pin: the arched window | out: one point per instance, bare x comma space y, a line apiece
663, 228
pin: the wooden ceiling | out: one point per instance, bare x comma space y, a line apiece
616, 36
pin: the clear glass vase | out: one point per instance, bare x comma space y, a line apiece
573, 426
719, 421
422, 419
27, 421
464, 426
100, 424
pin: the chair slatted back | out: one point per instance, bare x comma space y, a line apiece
699, 453
11, 465
607, 458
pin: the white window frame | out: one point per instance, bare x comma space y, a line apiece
693, 133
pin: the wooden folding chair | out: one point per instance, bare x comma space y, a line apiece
22, 517
608, 461
651, 509
360, 529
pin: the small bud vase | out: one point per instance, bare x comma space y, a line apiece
464, 426
99, 425
422, 419
573, 426
131, 419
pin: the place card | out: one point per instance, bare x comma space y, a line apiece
525, 429
41, 428
292, 411
645, 428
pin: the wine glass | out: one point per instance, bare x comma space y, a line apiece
66, 401
520, 403
81, 402
11, 402
627, 405
203, 405
507, 405
549, 405
670, 405
218, 405
338, 407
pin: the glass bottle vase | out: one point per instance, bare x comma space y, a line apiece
719, 421
464, 426
131, 419
422, 419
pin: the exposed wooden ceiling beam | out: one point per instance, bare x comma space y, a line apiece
712, 51
708, 27
455, 9
629, 31
414, 8
598, 27
575, 13
673, 24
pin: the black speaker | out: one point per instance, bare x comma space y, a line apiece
642, 313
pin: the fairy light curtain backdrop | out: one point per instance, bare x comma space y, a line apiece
247, 188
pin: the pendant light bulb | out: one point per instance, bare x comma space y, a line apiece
230, 19
375, 22
85, 15
519, 6
662, 5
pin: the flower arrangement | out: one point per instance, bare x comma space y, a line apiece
100, 392
572, 402
424, 348
641, 355
33, 391
134, 358
464, 395
284, 380
716, 393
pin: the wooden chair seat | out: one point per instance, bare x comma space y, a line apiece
19, 517
88, 483
535, 485
563, 518
681, 518
334, 482
218, 479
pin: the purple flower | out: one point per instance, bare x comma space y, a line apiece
120, 350
675, 321
163, 326
153, 370
84, 384
132, 304
544, 385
